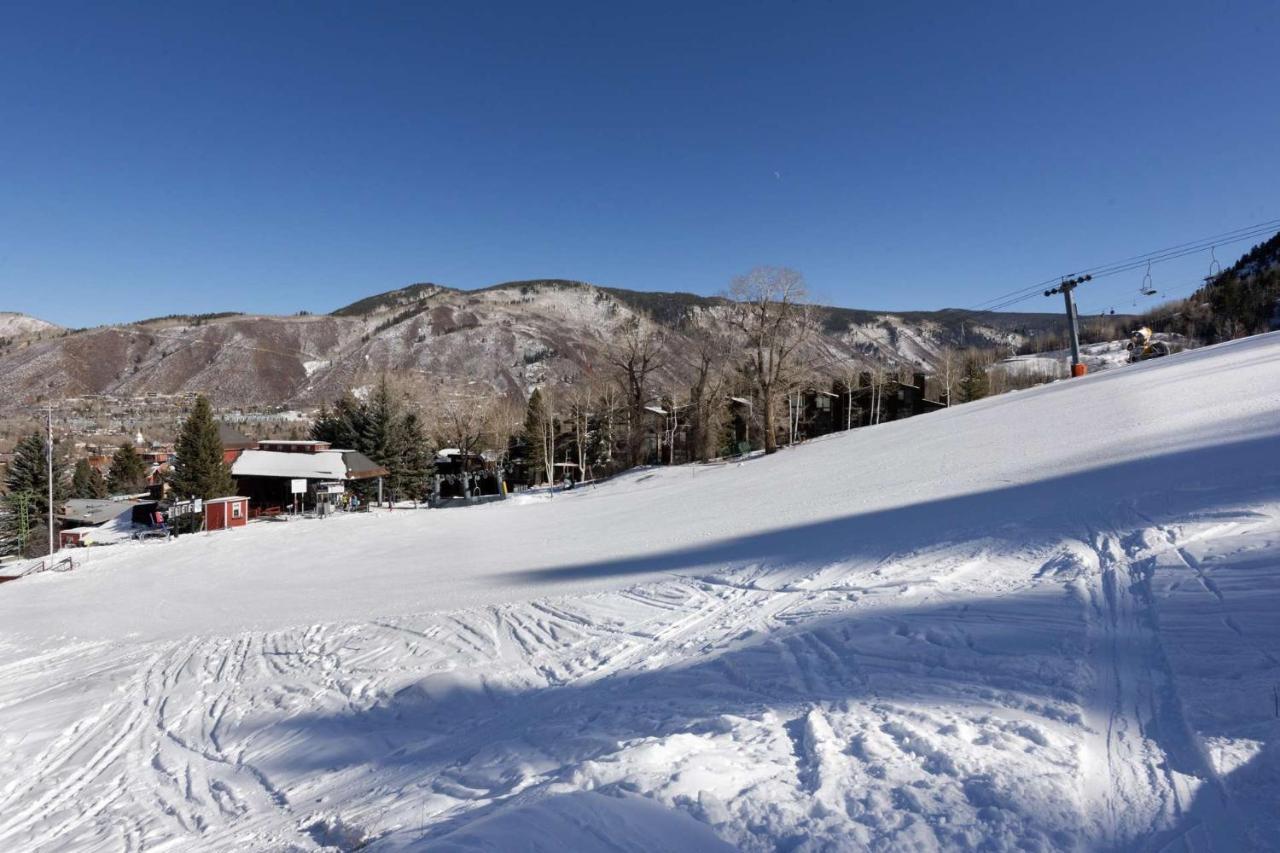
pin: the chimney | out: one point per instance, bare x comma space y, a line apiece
920, 380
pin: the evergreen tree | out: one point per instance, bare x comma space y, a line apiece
128, 473
383, 430
341, 426
539, 436
417, 457
87, 481
973, 382
27, 496
199, 470
383, 437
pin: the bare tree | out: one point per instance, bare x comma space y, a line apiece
466, 421
583, 400
711, 356
771, 311
948, 372
638, 350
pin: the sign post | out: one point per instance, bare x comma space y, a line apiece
297, 487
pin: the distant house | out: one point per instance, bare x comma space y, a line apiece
267, 474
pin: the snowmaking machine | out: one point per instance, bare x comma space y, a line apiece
1143, 346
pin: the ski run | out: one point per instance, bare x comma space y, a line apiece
1044, 621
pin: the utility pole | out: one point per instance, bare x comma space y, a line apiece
1066, 288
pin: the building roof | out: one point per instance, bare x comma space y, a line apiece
234, 439
226, 500
324, 465
361, 467
92, 512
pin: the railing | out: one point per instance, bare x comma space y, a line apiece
56, 563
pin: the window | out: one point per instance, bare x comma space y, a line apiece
824, 403
235, 509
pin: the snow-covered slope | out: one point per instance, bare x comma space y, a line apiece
1040, 621
14, 325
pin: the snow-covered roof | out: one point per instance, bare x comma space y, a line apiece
323, 465
94, 511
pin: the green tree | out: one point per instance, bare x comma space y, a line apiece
87, 481
539, 436
199, 470
973, 381
127, 473
340, 426
386, 431
27, 496
417, 459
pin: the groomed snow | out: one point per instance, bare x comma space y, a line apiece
1040, 621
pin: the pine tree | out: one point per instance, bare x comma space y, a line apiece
417, 459
973, 382
199, 470
342, 425
87, 481
27, 496
128, 473
385, 432
382, 436
539, 435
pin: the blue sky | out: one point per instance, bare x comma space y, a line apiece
272, 157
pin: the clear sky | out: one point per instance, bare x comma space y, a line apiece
271, 157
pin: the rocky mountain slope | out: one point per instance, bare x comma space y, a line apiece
510, 338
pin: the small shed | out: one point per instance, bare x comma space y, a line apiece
225, 513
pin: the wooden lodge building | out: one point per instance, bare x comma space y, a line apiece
269, 473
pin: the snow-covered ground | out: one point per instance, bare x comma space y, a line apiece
1057, 363
1045, 620
14, 325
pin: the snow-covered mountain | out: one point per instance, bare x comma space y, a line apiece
15, 325
510, 337
1044, 620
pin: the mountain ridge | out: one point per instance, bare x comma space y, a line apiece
511, 337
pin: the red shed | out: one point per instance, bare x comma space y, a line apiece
224, 513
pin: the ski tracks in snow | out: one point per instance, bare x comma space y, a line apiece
934, 699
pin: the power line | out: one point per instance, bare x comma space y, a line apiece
1014, 297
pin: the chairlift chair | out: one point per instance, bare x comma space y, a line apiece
1147, 289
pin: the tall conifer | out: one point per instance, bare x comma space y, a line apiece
199, 470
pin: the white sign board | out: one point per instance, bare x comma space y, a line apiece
298, 487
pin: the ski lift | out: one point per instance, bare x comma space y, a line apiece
1215, 268
1147, 288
